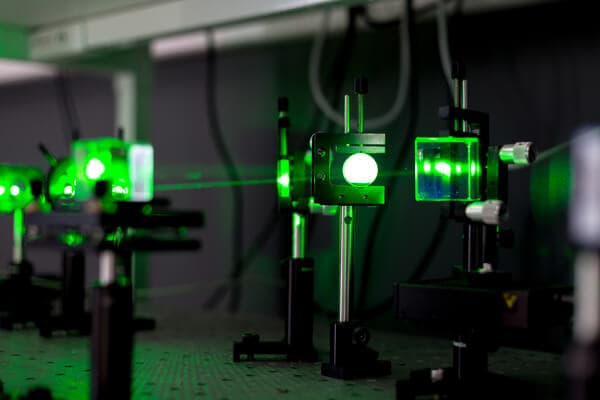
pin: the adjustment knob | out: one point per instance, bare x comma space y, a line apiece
361, 336
520, 153
490, 212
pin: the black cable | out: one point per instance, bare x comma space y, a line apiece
339, 69
242, 265
237, 191
340, 62
405, 146
417, 274
71, 121
341, 59
392, 23
338, 74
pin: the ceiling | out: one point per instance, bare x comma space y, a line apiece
40, 13
34, 13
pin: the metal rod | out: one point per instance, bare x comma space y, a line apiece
346, 245
107, 267
463, 101
346, 240
73, 291
586, 327
473, 232
456, 97
283, 142
18, 234
460, 98
347, 120
298, 235
361, 113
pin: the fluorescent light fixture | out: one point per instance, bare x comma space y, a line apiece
18, 71
264, 31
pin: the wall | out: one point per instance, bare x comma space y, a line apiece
533, 70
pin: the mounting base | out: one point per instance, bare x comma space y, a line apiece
250, 346
298, 342
349, 356
446, 383
582, 371
21, 302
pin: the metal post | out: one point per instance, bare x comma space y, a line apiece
283, 124
124, 88
298, 235
346, 240
107, 267
460, 97
18, 234
112, 334
586, 326
473, 232
582, 366
361, 113
131, 88
73, 292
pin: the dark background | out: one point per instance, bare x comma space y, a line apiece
535, 70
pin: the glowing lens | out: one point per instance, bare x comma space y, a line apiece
94, 169
360, 169
443, 168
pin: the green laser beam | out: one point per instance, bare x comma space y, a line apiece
214, 184
165, 187
403, 172
194, 172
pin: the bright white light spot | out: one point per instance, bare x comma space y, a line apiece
120, 190
284, 180
94, 169
360, 169
443, 168
15, 190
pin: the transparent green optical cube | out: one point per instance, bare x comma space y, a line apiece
447, 169
127, 167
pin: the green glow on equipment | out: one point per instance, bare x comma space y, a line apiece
127, 167
94, 169
447, 169
15, 186
443, 168
283, 178
71, 239
360, 169
119, 190
62, 182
